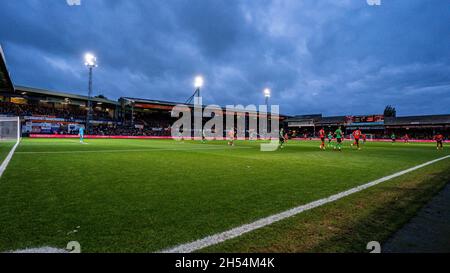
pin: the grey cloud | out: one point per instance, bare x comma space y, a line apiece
334, 57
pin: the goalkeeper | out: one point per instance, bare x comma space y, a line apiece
81, 134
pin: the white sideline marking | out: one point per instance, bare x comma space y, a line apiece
8, 158
41, 250
134, 150
236, 232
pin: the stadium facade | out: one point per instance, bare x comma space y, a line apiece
378, 126
55, 112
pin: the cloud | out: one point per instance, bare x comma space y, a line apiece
325, 56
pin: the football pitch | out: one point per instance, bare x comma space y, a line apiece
151, 195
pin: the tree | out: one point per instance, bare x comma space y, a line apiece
101, 97
390, 111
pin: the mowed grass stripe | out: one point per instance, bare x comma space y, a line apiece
239, 231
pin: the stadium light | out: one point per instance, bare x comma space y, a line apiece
90, 61
198, 83
267, 95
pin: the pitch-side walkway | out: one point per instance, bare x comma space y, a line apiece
428, 232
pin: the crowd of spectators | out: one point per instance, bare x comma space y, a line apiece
158, 124
68, 113
153, 120
7, 108
147, 125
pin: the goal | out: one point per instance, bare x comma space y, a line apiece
370, 137
10, 129
9, 132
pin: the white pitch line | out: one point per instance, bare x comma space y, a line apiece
8, 158
236, 232
41, 250
134, 150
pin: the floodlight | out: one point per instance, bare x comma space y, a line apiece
198, 83
90, 60
267, 93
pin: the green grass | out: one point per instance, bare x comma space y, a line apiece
5, 147
142, 196
350, 223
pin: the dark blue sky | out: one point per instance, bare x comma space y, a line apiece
319, 56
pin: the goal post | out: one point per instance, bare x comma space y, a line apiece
9, 132
10, 129
370, 137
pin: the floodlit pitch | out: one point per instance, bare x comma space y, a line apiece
151, 195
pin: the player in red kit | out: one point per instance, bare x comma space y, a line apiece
322, 138
440, 141
357, 135
406, 138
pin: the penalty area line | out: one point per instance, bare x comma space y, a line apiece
8, 158
238, 231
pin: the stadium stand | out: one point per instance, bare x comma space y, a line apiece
419, 127
52, 112
416, 127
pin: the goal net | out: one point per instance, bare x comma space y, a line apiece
370, 137
9, 129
